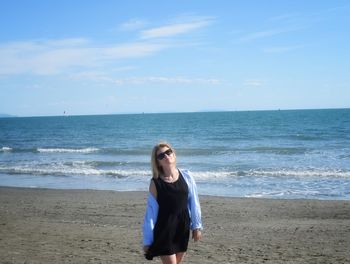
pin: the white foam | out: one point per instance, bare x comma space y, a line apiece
6, 149
60, 169
284, 193
211, 174
66, 150
278, 172
303, 172
88, 168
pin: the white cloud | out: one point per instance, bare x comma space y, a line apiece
104, 78
123, 68
171, 80
92, 76
130, 50
286, 17
174, 29
67, 42
263, 34
57, 56
133, 24
269, 33
253, 82
282, 49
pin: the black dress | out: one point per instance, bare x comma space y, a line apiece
172, 229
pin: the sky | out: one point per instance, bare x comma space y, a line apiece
109, 57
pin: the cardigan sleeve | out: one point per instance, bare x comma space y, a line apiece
150, 219
193, 202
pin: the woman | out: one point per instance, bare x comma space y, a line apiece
173, 208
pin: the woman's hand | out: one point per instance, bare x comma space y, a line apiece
196, 235
145, 249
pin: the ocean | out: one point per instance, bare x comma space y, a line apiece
292, 154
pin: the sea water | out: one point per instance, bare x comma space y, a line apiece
270, 154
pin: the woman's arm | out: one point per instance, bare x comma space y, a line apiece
153, 189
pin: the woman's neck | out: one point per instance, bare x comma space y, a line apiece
171, 172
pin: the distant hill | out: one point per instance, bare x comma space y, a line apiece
6, 115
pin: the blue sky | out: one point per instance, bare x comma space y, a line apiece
105, 57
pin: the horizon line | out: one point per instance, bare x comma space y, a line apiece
178, 112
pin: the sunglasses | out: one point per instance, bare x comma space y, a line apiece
161, 156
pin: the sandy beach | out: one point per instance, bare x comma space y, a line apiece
86, 226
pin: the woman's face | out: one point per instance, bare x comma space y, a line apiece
165, 156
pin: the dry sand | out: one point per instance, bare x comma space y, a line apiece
84, 226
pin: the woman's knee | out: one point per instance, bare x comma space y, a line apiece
169, 259
179, 257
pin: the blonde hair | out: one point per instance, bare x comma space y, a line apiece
156, 169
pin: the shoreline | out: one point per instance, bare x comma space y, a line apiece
202, 195
94, 226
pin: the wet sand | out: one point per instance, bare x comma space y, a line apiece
85, 226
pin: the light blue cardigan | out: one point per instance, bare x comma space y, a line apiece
152, 208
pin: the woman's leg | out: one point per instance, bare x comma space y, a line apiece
168, 259
179, 257
173, 259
